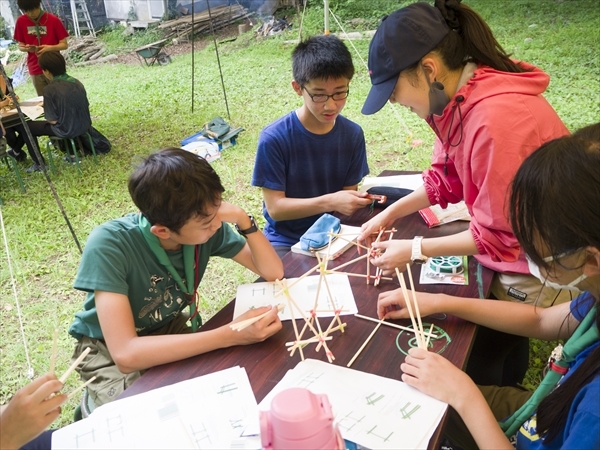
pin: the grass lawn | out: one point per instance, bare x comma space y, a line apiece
145, 109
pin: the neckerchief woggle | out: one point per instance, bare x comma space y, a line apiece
190, 264
585, 335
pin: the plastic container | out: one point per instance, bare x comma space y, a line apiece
299, 420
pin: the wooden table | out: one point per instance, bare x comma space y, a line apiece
267, 362
10, 117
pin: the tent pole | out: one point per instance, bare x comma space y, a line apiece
218, 59
326, 17
193, 65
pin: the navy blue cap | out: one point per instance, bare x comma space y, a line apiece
402, 39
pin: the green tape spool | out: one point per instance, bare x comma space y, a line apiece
451, 265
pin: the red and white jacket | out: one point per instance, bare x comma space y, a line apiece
493, 122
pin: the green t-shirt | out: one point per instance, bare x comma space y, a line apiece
118, 259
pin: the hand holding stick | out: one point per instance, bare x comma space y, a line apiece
239, 326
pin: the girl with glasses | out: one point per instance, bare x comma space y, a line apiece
554, 214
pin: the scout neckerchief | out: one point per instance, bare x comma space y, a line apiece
585, 335
190, 264
64, 77
37, 27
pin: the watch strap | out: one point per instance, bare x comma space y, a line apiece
253, 227
417, 255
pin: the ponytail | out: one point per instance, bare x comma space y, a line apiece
471, 40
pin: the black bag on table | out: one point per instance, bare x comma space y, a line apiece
393, 194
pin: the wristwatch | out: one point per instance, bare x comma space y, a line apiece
417, 257
253, 227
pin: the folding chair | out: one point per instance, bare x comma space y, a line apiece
70, 146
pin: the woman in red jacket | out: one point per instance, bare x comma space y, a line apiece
488, 114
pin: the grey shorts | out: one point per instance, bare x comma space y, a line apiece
110, 382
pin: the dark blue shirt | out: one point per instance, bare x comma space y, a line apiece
302, 164
582, 429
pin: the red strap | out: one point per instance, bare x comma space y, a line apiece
558, 369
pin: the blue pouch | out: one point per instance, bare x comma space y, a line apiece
316, 237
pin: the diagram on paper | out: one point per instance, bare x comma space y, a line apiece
209, 412
255, 295
373, 411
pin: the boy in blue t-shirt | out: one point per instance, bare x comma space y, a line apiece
310, 161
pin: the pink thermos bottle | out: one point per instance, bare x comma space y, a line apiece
299, 420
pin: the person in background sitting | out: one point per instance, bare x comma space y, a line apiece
66, 107
16, 136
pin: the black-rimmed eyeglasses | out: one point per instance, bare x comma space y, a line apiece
322, 98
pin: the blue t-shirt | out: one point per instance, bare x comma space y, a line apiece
582, 429
302, 164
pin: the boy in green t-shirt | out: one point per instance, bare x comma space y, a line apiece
142, 270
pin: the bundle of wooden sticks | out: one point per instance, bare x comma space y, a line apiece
71, 368
412, 306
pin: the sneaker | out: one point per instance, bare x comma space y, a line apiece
70, 159
35, 168
19, 156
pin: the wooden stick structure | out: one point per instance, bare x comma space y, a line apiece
379, 272
239, 326
53, 357
361, 275
320, 336
418, 331
284, 288
345, 238
298, 279
371, 252
429, 336
75, 391
416, 304
73, 366
399, 327
311, 322
364, 344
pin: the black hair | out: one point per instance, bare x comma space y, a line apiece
321, 57
590, 133
554, 200
53, 62
555, 196
469, 40
29, 5
172, 186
